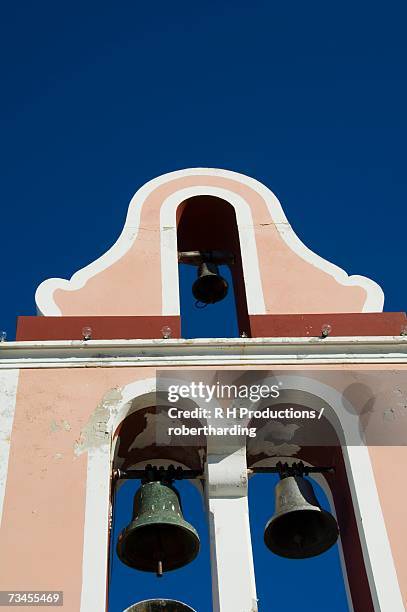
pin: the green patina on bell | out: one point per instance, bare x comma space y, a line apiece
158, 538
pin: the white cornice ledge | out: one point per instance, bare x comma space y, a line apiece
203, 351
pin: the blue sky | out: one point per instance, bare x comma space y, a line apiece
99, 97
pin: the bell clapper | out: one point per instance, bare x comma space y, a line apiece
160, 555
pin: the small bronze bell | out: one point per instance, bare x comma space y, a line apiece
210, 286
299, 527
159, 605
158, 538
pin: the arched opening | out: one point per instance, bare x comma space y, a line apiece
129, 586
207, 223
342, 487
135, 445
336, 580
317, 583
324, 441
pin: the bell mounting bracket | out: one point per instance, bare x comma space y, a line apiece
196, 258
284, 470
153, 473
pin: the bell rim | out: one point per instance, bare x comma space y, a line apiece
165, 599
219, 299
333, 533
187, 528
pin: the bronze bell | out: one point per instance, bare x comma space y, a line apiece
210, 286
300, 528
158, 537
159, 605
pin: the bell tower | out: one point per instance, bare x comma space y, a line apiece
102, 388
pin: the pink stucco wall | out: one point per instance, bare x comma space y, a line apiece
302, 287
41, 540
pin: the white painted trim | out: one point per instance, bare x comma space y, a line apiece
377, 554
8, 394
44, 295
169, 250
207, 361
96, 530
226, 479
205, 342
142, 390
204, 351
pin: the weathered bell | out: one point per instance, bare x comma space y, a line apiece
300, 528
210, 286
158, 538
159, 605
